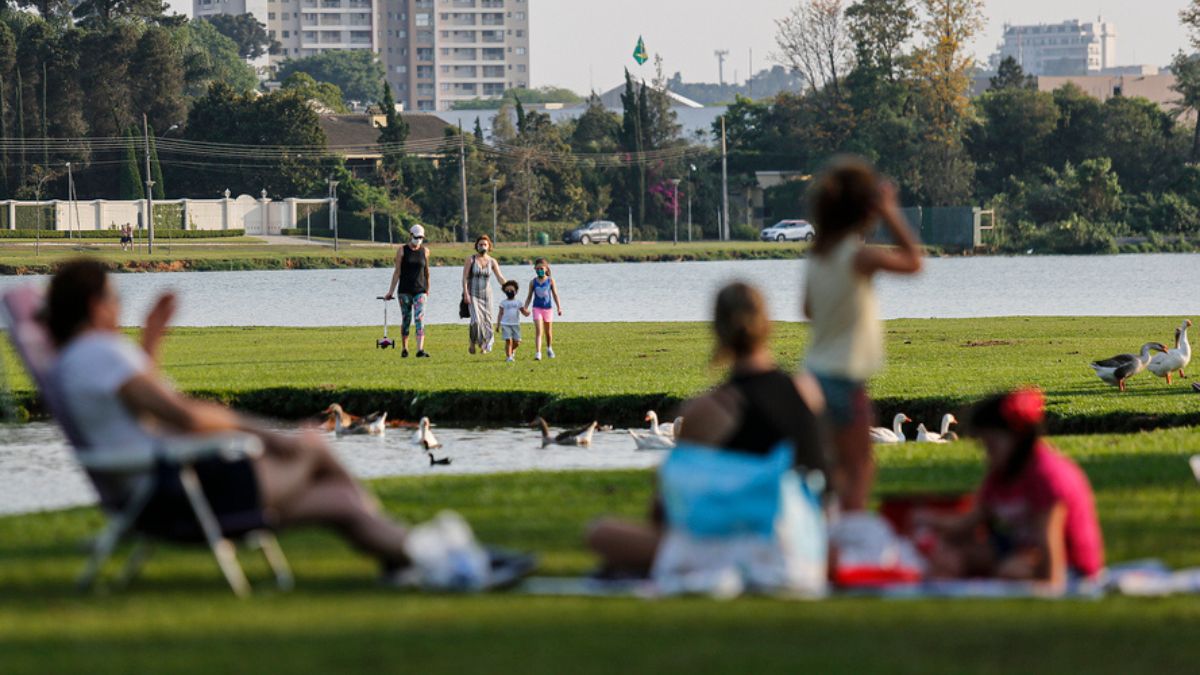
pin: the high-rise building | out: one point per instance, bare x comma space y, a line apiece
436, 52
1067, 48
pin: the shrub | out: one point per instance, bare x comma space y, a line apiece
116, 234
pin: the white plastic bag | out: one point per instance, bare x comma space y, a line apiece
445, 555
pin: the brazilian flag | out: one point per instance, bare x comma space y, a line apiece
639, 52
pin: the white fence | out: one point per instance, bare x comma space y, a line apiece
257, 216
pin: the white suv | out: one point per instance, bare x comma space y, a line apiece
789, 230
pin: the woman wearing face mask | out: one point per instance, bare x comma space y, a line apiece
477, 293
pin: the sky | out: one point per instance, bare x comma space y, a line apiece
585, 44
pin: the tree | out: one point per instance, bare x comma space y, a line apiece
1010, 75
105, 74
392, 136
1139, 137
8, 60
815, 41
942, 70
51, 10
326, 94
129, 175
1187, 84
104, 12
210, 57
1079, 127
357, 72
479, 138
1012, 136
247, 33
879, 30
157, 79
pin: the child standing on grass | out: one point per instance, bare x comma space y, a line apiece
543, 294
511, 310
1035, 505
845, 334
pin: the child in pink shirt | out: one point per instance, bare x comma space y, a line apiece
1035, 505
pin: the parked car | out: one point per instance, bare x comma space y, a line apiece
790, 230
595, 232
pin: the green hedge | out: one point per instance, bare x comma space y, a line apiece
116, 234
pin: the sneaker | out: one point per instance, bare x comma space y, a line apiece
422, 354
550, 352
510, 360
537, 356
404, 354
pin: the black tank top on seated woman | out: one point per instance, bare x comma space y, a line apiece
412, 271
772, 411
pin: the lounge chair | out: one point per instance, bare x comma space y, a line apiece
124, 508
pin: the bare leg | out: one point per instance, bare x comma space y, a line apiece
539, 328
623, 545
549, 334
856, 466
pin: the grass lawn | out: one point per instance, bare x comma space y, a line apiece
179, 618
614, 372
251, 254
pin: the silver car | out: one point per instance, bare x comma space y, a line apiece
595, 232
790, 230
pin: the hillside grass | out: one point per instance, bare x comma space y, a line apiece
179, 618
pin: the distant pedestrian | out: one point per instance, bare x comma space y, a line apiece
411, 279
126, 237
511, 310
543, 294
845, 346
477, 294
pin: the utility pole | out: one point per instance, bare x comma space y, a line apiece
691, 184
333, 220
149, 187
71, 207
724, 183
462, 171
528, 198
495, 219
675, 208
721, 54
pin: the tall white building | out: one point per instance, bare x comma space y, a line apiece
1067, 48
436, 52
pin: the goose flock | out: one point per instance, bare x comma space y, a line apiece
885, 436
1154, 357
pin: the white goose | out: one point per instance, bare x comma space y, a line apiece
944, 436
374, 424
1121, 367
651, 441
657, 429
893, 435
1165, 364
424, 438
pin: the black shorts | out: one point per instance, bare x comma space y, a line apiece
231, 489
126, 240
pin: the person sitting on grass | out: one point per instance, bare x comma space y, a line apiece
118, 399
1035, 505
511, 310
758, 407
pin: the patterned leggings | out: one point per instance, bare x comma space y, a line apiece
412, 309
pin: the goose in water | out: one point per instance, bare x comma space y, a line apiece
667, 429
943, 436
444, 461
424, 438
335, 415
577, 437
374, 424
1121, 367
893, 435
652, 441
1167, 363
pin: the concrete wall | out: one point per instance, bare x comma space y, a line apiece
257, 216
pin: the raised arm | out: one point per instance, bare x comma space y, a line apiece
155, 328
905, 258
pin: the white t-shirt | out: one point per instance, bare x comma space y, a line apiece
845, 333
511, 312
90, 372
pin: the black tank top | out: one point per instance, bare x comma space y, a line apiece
772, 411
412, 271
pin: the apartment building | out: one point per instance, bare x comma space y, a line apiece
436, 52
1060, 49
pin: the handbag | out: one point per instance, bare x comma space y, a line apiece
464, 310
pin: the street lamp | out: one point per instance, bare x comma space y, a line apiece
675, 207
495, 231
333, 219
37, 242
691, 183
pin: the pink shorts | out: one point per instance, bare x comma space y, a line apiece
543, 315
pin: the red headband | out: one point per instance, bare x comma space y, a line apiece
1024, 409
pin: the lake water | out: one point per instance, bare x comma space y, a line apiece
1126, 285
37, 471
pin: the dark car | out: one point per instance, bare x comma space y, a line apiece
595, 232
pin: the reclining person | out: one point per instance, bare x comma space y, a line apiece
757, 408
114, 393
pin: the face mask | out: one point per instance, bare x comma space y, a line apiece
541, 274
482, 248
510, 294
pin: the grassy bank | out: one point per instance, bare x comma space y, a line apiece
180, 619
239, 254
614, 372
